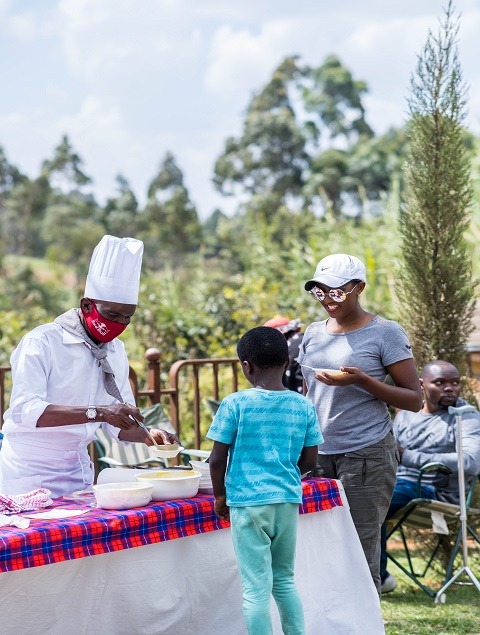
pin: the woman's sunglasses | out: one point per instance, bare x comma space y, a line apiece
337, 295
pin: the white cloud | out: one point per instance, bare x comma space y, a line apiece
114, 39
128, 80
238, 59
23, 26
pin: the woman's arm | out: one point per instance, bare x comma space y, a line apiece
405, 394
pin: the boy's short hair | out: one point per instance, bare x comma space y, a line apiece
263, 346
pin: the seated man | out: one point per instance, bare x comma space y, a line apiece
429, 436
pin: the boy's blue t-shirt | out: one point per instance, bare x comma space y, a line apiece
266, 431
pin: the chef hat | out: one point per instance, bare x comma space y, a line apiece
114, 273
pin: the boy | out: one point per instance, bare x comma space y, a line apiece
269, 436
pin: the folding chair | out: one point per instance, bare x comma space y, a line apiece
417, 514
212, 404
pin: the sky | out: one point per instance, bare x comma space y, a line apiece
129, 80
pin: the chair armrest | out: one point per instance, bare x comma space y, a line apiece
430, 467
109, 461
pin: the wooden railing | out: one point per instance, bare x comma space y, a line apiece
187, 379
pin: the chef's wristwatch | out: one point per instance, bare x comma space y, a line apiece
91, 413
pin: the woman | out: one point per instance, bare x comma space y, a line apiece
359, 447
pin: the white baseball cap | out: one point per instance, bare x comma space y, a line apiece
114, 273
336, 270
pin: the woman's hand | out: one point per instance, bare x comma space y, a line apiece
350, 375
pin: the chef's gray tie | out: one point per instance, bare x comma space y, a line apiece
111, 387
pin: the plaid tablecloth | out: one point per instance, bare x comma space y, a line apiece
101, 531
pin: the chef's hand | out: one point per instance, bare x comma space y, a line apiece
162, 437
221, 508
351, 375
120, 415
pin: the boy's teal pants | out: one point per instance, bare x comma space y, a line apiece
264, 539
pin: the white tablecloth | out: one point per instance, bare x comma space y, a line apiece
190, 586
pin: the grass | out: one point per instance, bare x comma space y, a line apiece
410, 611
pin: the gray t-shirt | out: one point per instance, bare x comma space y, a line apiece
350, 417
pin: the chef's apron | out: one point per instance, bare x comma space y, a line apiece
24, 467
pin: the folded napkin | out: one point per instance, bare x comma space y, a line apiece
36, 499
14, 521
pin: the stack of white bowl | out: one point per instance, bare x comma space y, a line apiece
205, 486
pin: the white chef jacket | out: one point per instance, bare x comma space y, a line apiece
53, 366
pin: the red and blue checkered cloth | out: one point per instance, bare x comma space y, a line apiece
101, 531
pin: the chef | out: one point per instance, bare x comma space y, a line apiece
70, 377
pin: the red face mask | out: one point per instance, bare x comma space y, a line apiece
100, 328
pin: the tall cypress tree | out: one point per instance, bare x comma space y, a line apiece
436, 283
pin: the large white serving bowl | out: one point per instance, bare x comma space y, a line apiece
123, 495
171, 484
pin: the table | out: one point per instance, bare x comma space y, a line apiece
187, 585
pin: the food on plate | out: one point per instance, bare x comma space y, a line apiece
171, 484
330, 371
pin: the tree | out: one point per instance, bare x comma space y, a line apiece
301, 146
437, 288
120, 214
9, 174
64, 170
71, 230
9, 177
23, 216
269, 156
336, 98
170, 225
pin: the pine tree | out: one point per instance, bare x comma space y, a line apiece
436, 283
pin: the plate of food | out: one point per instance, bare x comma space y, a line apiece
333, 372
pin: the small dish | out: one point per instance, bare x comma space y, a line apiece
330, 371
166, 451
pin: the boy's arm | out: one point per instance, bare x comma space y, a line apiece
218, 466
308, 459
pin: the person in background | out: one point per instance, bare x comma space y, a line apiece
265, 438
70, 377
359, 349
429, 436
293, 377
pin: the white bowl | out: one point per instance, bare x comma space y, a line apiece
165, 453
200, 466
170, 484
123, 495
